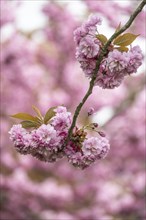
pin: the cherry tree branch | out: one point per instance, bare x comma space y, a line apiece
102, 54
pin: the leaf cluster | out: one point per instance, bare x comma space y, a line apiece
30, 121
121, 42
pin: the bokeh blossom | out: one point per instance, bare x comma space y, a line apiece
8, 10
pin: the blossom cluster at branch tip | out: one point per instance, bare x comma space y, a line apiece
47, 142
115, 65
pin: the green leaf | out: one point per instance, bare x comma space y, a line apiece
49, 114
102, 38
118, 28
122, 49
29, 124
24, 116
37, 112
125, 39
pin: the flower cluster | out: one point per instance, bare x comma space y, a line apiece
92, 149
116, 64
47, 142
88, 46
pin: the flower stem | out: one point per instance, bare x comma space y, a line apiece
102, 54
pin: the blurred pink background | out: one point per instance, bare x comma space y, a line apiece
38, 67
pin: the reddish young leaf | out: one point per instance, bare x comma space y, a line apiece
118, 28
37, 112
122, 49
29, 124
24, 116
125, 39
102, 38
50, 113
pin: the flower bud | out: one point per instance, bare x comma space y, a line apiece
101, 133
90, 111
